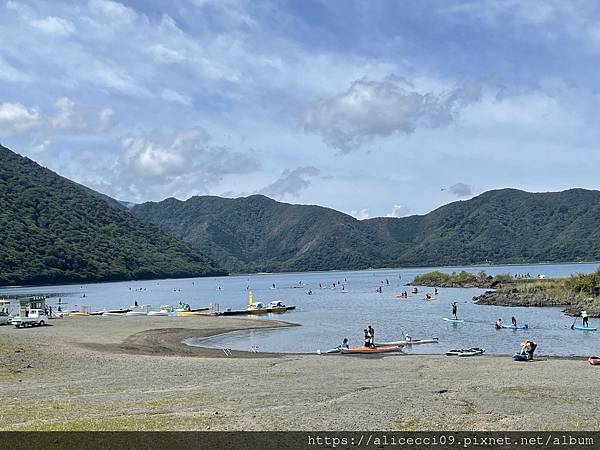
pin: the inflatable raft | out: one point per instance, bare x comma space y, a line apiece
471, 351
594, 360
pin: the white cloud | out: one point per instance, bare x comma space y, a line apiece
173, 96
398, 211
181, 164
461, 190
370, 109
17, 118
291, 182
360, 214
68, 118
54, 25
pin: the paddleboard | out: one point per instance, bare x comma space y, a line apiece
578, 327
405, 342
510, 327
454, 320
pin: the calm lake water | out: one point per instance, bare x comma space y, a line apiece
328, 315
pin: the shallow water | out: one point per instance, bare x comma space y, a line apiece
328, 315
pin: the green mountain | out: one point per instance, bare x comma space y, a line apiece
504, 226
54, 230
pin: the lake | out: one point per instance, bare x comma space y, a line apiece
328, 315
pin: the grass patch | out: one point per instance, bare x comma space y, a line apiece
130, 422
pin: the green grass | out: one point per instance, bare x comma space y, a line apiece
438, 278
127, 422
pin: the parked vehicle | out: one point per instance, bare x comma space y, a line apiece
32, 312
5, 316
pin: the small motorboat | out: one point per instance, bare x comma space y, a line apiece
257, 308
277, 306
369, 350
139, 310
594, 360
471, 351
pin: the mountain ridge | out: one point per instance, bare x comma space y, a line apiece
55, 231
505, 225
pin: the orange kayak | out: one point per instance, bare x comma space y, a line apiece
594, 360
368, 350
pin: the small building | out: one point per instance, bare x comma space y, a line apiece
27, 304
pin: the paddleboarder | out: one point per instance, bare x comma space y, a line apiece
584, 317
454, 308
514, 322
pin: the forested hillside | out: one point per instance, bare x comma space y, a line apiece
54, 230
503, 226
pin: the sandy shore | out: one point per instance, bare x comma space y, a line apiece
112, 373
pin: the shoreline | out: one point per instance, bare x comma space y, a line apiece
112, 373
240, 274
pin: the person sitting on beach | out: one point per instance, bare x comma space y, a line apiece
408, 338
524, 346
499, 323
514, 322
584, 317
344, 344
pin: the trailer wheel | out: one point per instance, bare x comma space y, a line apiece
42, 323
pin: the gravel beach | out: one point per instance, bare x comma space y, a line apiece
133, 373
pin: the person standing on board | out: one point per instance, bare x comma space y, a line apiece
371, 332
584, 317
454, 308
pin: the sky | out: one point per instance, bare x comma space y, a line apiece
374, 108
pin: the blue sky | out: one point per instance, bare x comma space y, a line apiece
374, 108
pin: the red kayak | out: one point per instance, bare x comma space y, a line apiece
368, 350
594, 360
